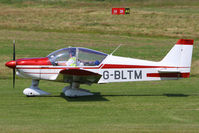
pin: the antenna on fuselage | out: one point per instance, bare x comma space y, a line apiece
116, 49
111, 54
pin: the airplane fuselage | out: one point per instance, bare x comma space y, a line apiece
131, 70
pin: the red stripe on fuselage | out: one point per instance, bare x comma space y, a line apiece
110, 66
39, 73
65, 68
106, 66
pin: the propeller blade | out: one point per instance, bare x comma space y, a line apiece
13, 49
13, 78
14, 71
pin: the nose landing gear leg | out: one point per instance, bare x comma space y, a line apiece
34, 90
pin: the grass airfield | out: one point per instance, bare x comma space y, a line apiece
149, 32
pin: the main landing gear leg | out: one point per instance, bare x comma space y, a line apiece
74, 91
34, 90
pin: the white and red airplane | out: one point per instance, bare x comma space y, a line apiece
76, 65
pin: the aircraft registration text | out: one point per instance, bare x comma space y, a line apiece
122, 74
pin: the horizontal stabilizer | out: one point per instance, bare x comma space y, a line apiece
169, 75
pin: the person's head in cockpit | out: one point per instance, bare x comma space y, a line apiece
72, 54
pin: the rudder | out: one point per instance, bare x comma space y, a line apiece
180, 55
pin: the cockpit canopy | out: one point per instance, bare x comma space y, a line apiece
76, 56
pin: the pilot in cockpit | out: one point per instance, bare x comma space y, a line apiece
72, 60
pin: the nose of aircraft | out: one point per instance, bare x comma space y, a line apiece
11, 64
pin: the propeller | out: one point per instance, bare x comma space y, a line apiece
14, 71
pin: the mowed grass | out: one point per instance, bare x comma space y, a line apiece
167, 106
149, 32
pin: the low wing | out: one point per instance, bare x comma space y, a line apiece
78, 75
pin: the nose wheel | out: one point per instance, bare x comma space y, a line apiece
34, 90
74, 91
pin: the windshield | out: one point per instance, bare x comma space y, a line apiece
76, 56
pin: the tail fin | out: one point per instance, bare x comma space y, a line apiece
180, 55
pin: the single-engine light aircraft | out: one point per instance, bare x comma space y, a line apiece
77, 65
